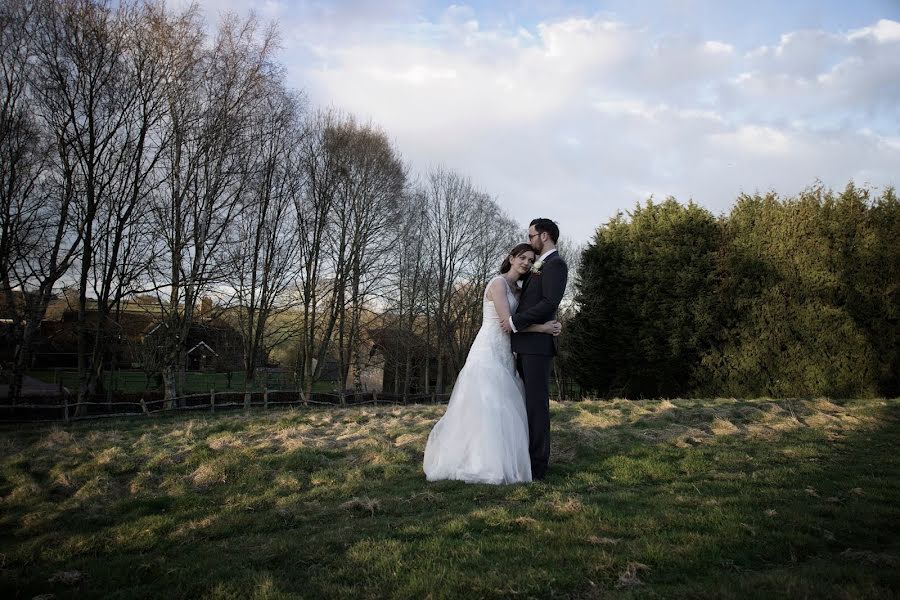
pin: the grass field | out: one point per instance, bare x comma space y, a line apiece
649, 499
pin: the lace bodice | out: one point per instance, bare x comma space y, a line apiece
492, 343
490, 311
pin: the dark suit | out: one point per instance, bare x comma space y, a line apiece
541, 295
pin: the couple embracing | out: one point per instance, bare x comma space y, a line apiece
497, 425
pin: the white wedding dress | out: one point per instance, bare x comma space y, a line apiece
483, 436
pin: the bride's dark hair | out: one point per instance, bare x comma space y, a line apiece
517, 251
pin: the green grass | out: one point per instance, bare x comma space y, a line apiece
688, 498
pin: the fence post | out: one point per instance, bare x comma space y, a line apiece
266, 397
66, 407
247, 399
212, 400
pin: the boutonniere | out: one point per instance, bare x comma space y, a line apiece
536, 267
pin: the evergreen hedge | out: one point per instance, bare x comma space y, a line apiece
781, 297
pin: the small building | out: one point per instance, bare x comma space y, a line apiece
404, 359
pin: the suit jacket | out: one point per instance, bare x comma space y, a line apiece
541, 294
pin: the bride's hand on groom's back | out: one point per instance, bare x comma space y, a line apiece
550, 327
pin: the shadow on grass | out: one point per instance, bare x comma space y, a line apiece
805, 506
694, 499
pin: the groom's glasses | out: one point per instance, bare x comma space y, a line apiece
531, 235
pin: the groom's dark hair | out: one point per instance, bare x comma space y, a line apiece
546, 226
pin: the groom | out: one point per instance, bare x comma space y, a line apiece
541, 294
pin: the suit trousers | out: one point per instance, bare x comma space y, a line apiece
535, 372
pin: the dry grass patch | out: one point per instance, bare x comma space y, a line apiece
761, 432
494, 517
103, 437
37, 520
629, 577
821, 421
684, 436
57, 439
143, 483
221, 441
288, 481
26, 488
292, 438
751, 413
365, 505
66, 577
62, 484
781, 425
562, 451
406, 439
602, 541
194, 527
825, 405
592, 420
665, 405
186, 432
111, 456
722, 426
208, 474
570, 505
96, 488
426, 496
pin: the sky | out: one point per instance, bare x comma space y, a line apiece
576, 110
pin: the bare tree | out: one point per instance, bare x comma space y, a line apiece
322, 173
495, 235
403, 331
265, 256
451, 202
140, 155
364, 225
40, 231
124, 237
80, 56
212, 95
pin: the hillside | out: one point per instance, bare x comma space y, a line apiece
682, 498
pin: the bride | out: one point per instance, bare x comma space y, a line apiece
483, 436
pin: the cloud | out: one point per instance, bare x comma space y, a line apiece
884, 32
580, 116
820, 75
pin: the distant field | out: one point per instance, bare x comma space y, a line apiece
650, 499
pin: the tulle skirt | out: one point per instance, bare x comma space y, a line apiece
483, 436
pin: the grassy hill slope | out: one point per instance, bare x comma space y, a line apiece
683, 498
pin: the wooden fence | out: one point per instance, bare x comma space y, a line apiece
63, 408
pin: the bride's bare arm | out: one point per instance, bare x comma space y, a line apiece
497, 293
